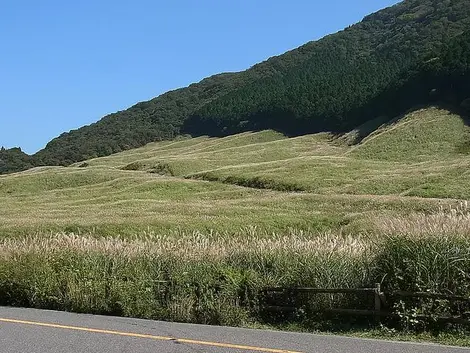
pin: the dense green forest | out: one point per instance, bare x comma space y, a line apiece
346, 79
412, 53
443, 79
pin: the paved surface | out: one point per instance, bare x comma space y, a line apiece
39, 331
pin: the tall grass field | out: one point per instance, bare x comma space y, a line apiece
193, 230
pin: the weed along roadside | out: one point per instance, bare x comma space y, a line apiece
323, 281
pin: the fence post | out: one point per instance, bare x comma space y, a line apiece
377, 302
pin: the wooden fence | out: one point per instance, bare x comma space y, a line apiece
381, 305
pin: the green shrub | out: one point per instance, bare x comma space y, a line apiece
425, 264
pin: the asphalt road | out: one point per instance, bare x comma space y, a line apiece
40, 331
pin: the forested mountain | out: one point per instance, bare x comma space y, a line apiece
408, 54
342, 77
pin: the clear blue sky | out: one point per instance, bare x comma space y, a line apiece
65, 64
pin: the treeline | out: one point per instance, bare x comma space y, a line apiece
408, 54
158, 119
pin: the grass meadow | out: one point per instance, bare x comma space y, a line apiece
193, 229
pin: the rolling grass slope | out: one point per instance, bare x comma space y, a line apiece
225, 184
421, 153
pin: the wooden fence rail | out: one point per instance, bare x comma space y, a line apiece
380, 301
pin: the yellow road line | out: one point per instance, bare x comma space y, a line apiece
152, 337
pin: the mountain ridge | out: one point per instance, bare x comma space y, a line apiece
333, 84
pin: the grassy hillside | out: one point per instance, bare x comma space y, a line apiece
368, 70
192, 229
423, 151
225, 184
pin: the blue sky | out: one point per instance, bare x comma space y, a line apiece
65, 64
